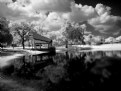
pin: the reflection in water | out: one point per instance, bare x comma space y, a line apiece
65, 71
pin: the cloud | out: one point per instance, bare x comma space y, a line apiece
6, 1
32, 9
98, 17
105, 22
101, 9
52, 5
53, 22
80, 13
53, 12
5, 11
116, 33
16, 11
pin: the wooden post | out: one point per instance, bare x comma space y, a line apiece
50, 44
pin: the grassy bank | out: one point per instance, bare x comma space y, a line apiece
8, 52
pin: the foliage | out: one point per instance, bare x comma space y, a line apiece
22, 30
5, 36
73, 32
99, 40
89, 39
110, 40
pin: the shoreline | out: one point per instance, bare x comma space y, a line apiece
10, 54
103, 47
81, 48
4, 60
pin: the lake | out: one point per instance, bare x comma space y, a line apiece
62, 72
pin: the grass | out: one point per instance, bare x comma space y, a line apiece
7, 52
2, 53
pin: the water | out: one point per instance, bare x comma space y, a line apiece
63, 72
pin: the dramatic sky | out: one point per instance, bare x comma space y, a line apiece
102, 17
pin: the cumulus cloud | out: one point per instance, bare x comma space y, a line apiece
105, 22
101, 9
99, 18
32, 9
52, 22
17, 11
81, 13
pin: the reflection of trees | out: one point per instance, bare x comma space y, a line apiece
89, 69
100, 67
74, 70
106, 68
55, 73
113, 54
40, 66
28, 66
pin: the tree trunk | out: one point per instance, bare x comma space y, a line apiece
66, 43
67, 55
23, 43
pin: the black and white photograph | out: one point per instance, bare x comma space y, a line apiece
60, 45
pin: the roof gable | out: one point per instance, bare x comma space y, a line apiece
40, 37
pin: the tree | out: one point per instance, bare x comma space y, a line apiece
5, 36
73, 32
22, 30
83, 26
89, 39
98, 40
118, 39
110, 40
